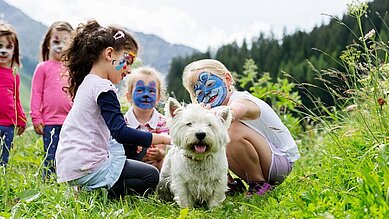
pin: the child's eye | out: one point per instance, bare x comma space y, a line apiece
198, 93
55, 41
210, 83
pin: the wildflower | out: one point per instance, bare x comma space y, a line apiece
381, 101
357, 9
351, 108
370, 34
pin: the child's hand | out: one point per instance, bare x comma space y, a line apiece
20, 130
39, 128
155, 153
206, 106
139, 149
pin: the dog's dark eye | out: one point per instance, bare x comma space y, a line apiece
209, 124
189, 124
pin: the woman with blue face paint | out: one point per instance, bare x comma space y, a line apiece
145, 88
262, 150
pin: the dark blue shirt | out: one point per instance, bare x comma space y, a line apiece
113, 117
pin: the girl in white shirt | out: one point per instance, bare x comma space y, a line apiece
98, 58
261, 150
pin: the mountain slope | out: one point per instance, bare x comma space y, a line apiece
155, 51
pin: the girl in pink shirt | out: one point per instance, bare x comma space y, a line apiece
49, 103
11, 111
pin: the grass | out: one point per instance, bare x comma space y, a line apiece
343, 171
342, 175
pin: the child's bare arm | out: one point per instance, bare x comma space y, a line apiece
244, 109
161, 139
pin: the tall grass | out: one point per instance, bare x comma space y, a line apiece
343, 171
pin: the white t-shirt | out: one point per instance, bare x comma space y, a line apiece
269, 125
84, 137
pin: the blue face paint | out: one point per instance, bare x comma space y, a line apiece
210, 89
145, 97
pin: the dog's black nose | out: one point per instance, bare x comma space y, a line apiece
200, 135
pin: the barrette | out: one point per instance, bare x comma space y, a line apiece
118, 35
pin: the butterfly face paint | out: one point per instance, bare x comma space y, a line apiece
145, 97
124, 61
210, 89
6, 50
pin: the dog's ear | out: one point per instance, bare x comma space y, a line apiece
171, 107
225, 115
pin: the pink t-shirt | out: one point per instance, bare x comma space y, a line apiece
11, 111
49, 103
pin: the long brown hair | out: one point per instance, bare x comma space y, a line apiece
89, 41
10, 32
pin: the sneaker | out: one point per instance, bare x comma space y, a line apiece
259, 188
236, 187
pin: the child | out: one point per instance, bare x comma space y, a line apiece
97, 58
11, 111
261, 150
145, 88
49, 103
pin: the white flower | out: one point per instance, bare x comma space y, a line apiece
369, 35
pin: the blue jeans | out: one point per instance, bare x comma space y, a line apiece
50, 143
6, 139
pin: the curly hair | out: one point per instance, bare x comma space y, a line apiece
89, 41
58, 26
10, 33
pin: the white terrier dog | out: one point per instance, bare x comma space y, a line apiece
194, 171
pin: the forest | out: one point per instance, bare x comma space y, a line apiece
298, 56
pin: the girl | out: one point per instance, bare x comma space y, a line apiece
261, 150
97, 58
49, 103
11, 111
144, 90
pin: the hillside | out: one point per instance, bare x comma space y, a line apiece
155, 51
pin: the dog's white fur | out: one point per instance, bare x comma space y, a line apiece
195, 178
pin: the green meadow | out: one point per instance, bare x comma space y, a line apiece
343, 171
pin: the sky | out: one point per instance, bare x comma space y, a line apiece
200, 24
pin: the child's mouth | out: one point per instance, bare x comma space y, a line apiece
211, 99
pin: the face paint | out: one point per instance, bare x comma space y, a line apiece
6, 50
124, 61
145, 97
57, 44
210, 89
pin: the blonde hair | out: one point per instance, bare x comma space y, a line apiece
147, 71
210, 65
